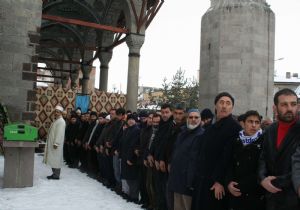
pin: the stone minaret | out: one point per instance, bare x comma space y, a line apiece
237, 54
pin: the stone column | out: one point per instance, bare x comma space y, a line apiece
134, 43
20, 23
237, 54
104, 57
85, 78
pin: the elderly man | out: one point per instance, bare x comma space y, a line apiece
180, 181
280, 143
54, 146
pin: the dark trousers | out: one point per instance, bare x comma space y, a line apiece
150, 187
170, 198
100, 160
142, 184
66, 153
108, 171
56, 172
92, 163
160, 180
83, 159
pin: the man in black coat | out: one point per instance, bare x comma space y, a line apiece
280, 142
214, 156
166, 148
162, 135
85, 142
141, 149
106, 141
129, 159
296, 170
245, 191
72, 130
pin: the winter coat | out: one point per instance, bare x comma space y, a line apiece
163, 133
72, 132
96, 134
110, 132
243, 170
296, 169
89, 131
179, 179
168, 145
278, 162
127, 145
213, 160
145, 135
54, 157
82, 130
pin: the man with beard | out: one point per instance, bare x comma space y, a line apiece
55, 142
149, 163
214, 156
280, 142
180, 181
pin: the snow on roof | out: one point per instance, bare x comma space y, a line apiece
283, 79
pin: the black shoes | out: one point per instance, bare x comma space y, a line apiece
52, 177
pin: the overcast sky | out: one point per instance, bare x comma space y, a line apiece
173, 41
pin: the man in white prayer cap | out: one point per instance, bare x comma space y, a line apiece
54, 145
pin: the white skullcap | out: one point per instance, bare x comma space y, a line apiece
107, 117
78, 111
59, 108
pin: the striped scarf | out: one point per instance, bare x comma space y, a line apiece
249, 139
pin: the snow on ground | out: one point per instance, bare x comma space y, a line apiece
74, 191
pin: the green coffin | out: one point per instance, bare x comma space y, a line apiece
20, 132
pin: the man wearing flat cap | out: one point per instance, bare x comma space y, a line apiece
54, 145
214, 156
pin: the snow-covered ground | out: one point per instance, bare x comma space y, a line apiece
74, 191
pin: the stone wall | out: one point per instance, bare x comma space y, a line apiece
20, 22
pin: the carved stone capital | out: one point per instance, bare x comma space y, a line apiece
225, 3
105, 57
134, 43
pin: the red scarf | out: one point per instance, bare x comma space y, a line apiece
283, 128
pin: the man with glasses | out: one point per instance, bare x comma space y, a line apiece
180, 181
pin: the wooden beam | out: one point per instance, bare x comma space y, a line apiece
84, 23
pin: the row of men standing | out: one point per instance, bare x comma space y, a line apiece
174, 162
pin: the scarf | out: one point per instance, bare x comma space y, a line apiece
249, 139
